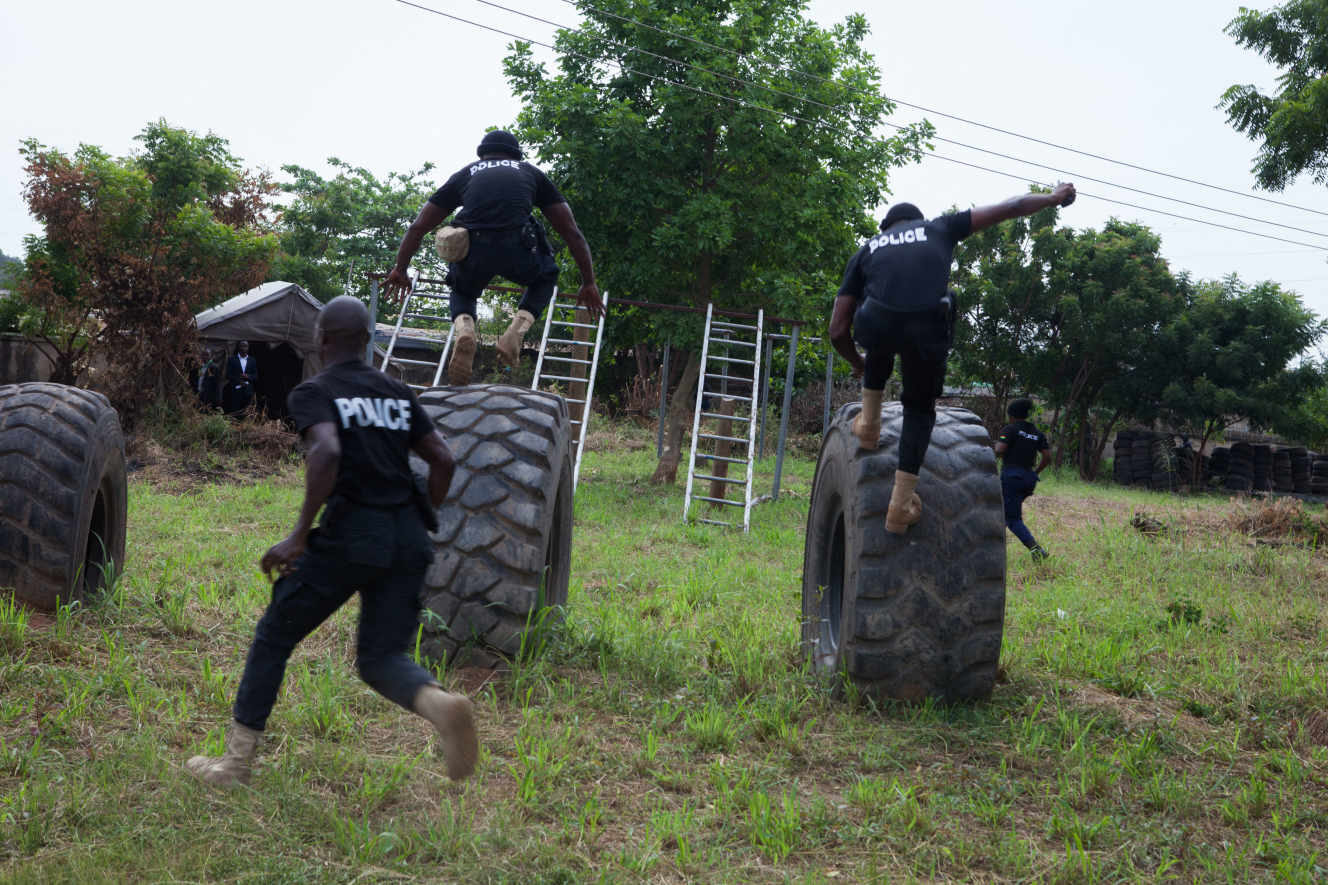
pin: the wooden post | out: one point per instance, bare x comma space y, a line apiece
577, 389
723, 448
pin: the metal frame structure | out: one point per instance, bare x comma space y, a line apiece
726, 339
416, 292
593, 363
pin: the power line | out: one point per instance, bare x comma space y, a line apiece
739, 101
918, 107
839, 108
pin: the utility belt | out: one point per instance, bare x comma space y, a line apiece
453, 243
873, 320
338, 505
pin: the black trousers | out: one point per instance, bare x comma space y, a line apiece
382, 555
502, 253
922, 342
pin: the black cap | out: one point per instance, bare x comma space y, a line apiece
901, 212
499, 141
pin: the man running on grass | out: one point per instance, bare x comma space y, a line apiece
1019, 445
893, 301
359, 427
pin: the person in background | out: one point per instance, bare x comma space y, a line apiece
1018, 445
241, 375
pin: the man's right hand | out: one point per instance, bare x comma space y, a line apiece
588, 297
1064, 193
397, 284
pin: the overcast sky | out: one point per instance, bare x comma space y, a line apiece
388, 87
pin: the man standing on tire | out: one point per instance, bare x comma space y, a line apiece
496, 235
1018, 445
893, 300
359, 427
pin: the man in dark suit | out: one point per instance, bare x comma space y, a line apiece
241, 375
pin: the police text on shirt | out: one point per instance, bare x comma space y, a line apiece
912, 235
394, 414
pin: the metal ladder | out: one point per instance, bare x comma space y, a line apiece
563, 374
726, 353
432, 298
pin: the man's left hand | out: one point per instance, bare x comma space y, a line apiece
281, 556
588, 297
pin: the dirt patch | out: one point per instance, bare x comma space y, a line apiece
1278, 521
1312, 730
1139, 712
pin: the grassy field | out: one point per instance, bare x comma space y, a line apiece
1161, 715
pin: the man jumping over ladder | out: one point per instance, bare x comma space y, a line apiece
893, 301
495, 234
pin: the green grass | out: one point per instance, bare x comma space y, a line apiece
1161, 715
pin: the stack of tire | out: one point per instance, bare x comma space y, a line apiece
1282, 481
1240, 468
1300, 470
1185, 467
1166, 475
1120, 466
1319, 475
1141, 458
1262, 475
1218, 464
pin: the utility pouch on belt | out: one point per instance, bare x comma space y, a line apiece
453, 242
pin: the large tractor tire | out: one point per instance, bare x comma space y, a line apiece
906, 617
63, 495
502, 552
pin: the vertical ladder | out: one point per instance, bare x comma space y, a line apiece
730, 361
562, 371
416, 306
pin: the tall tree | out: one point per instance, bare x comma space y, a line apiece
336, 230
1006, 305
1229, 355
703, 168
1113, 294
134, 246
1291, 125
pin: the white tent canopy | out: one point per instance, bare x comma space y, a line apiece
274, 312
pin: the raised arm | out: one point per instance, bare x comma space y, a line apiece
560, 216
1018, 207
430, 217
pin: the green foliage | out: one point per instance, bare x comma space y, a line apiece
688, 197
1006, 303
338, 229
133, 247
1305, 418
1228, 355
1291, 125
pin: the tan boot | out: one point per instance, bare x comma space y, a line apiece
463, 350
453, 716
867, 425
235, 766
509, 345
905, 505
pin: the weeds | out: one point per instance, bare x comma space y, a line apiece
1163, 714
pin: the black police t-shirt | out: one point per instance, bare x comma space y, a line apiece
907, 266
496, 194
1023, 441
378, 419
